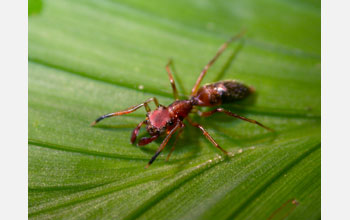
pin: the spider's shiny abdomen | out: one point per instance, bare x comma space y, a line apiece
221, 92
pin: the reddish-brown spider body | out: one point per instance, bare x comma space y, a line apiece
168, 120
163, 119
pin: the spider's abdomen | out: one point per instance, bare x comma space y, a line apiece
218, 93
234, 91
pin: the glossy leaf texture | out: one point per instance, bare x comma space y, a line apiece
88, 58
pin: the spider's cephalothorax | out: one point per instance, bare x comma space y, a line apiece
169, 119
158, 121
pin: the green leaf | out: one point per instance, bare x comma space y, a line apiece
88, 58
34, 7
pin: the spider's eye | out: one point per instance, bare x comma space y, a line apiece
170, 122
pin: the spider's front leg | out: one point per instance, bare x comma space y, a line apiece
164, 143
135, 132
129, 110
147, 140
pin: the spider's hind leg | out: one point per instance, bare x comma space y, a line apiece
206, 114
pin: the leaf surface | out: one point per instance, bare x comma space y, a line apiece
88, 58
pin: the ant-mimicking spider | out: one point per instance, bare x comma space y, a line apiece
168, 119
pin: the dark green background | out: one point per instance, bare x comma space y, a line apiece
87, 58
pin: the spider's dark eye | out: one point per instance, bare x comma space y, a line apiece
170, 122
